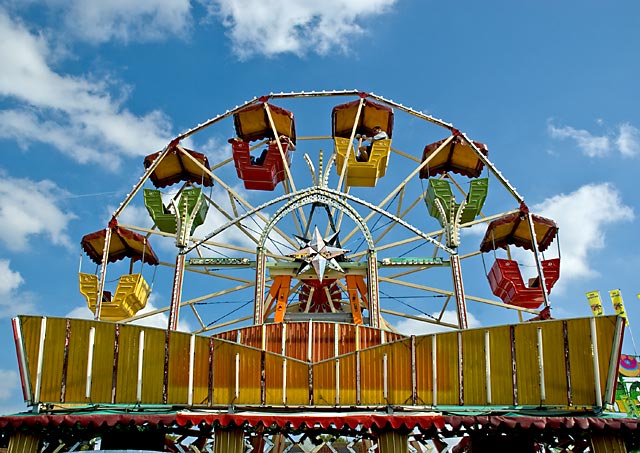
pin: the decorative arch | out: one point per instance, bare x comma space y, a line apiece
329, 197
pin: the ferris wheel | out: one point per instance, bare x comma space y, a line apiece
341, 206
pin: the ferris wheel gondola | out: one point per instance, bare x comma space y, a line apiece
505, 277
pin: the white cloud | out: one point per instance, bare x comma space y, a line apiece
582, 217
10, 299
415, 327
31, 208
10, 383
9, 280
77, 115
628, 140
591, 145
99, 21
291, 26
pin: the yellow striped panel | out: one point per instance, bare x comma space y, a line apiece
501, 367
527, 369
128, 345
201, 368
424, 370
605, 328
53, 359
474, 367
103, 357
581, 362
348, 380
324, 383
555, 369
224, 354
297, 382
399, 372
153, 366
447, 358
30, 327
77, 362
371, 376
274, 374
178, 375
250, 365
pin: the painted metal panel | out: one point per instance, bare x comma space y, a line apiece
605, 328
224, 372
474, 367
297, 340
324, 383
153, 366
249, 376
30, 326
347, 340
501, 372
20, 442
230, 335
527, 375
274, 379
371, 375
348, 380
252, 336
297, 383
178, 373
399, 372
581, 362
369, 337
103, 358
323, 341
201, 371
555, 369
53, 359
76, 373
127, 367
424, 369
447, 358
607, 443
273, 341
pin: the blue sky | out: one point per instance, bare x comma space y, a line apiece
88, 88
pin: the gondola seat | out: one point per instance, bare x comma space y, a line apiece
506, 282
362, 174
130, 297
164, 220
260, 177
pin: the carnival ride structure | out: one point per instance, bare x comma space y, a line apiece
322, 256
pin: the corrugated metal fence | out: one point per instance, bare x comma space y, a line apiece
560, 363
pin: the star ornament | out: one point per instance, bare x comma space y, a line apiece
319, 253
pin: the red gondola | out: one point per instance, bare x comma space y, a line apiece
264, 176
504, 277
258, 122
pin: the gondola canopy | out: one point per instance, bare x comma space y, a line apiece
373, 114
513, 229
178, 165
253, 123
457, 157
124, 243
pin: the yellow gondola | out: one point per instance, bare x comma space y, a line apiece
132, 291
357, 118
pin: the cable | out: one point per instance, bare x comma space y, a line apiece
411, 306
231, 312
